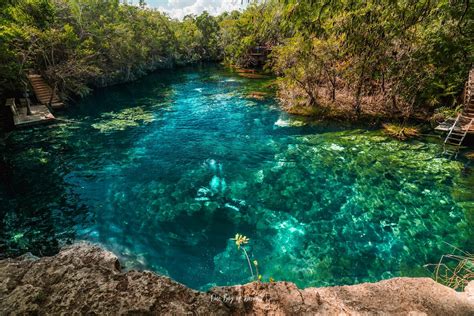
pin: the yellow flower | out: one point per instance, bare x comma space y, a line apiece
260, 277
240, 240
272, 279
255, 262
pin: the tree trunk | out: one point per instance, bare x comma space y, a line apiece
383, 83
357, 105
333, 86
395, 108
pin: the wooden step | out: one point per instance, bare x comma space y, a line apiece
47, 98
44, 93
39, 84
42, 88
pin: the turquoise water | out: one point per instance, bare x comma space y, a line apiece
164, 171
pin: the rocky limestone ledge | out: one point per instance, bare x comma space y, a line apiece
85, 279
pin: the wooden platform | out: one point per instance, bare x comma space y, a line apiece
43, 92
446, 125
40, 114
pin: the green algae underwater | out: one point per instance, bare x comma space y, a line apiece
165, 170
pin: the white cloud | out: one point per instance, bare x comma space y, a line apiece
180, 8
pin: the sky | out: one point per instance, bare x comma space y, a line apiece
180, 8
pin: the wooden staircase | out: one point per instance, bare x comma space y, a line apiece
469, 97
43, 92
464, 123
259, 54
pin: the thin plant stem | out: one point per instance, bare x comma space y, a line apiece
256, 271
248, 260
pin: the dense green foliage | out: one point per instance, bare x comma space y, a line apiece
76, 43
384, 57
392, 58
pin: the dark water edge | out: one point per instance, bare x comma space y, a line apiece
165, 170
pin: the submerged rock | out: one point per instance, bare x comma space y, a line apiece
281, 122
85, 279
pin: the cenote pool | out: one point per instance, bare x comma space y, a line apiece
165, 170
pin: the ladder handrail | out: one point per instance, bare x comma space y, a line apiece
467, 129
468, 90
452, 127
464, 136
467, 95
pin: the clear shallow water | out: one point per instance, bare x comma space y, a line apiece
165, 170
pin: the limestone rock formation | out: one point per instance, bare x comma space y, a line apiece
85, 279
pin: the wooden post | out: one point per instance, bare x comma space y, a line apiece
26, 95
28, 106
53, 91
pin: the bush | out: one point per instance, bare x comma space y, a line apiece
401, 131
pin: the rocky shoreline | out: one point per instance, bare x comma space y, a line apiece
85, 279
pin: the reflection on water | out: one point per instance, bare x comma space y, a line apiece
165, 170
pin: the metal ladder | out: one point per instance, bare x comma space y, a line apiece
456, 135
463, 122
